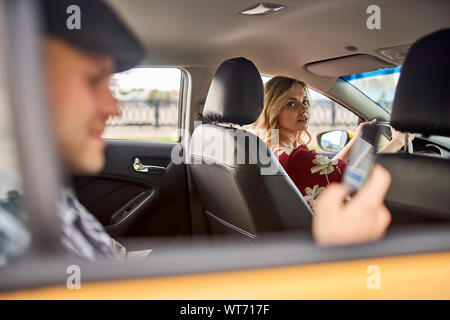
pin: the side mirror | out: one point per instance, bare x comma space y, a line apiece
333, 140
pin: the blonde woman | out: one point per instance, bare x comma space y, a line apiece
287, 108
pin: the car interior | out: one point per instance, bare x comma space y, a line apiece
222, 54
225, 199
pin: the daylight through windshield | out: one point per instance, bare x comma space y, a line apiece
378, 85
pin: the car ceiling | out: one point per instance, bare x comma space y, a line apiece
203, 33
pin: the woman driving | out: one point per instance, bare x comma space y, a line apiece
287, 108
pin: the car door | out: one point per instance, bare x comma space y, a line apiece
407, 264
141, 192
137, 202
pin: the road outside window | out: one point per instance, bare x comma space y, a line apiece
149, 103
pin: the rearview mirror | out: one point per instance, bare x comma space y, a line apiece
333, 140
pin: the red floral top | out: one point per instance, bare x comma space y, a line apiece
310, 171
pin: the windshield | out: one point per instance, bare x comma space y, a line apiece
378, 85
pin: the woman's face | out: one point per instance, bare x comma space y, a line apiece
294, 115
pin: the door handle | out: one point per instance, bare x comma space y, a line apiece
140, 167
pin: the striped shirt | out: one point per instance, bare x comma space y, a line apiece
82, 233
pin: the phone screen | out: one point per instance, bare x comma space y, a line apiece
362, 158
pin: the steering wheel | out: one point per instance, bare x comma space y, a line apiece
408, 147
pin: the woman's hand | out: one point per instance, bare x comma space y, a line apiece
358, 131
362, 219
397, 141
345, 152
399, 137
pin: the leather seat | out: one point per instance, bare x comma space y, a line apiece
420, 183
243, 189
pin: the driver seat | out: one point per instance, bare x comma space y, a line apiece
244, 191
420, 183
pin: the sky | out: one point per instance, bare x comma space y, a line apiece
164, 79
153, 78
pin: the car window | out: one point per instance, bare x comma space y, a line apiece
378, 85
14, 235
149, 104
327, 114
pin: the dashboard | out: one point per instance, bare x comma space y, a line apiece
426, 146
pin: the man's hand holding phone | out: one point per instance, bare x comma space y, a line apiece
362, 219
342, 220
362, 158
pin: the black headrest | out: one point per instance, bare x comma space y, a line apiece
236, 94
422, 98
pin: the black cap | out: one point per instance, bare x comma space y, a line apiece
100, 31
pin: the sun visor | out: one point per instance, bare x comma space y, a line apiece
341, 66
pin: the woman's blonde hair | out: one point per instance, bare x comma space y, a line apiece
276, 94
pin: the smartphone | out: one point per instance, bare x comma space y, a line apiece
362, 158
